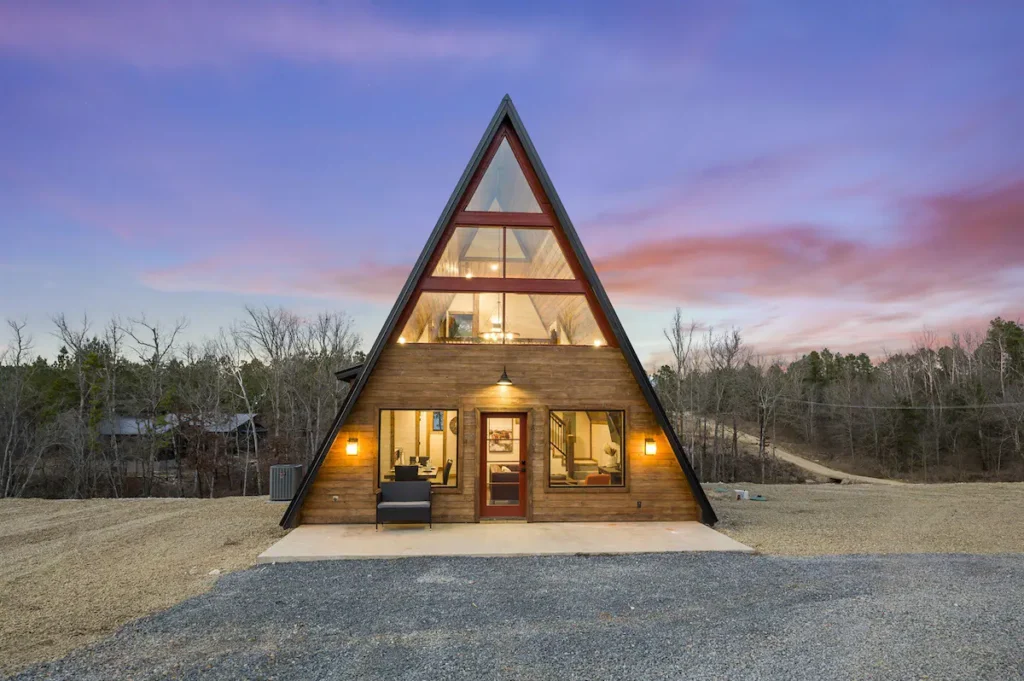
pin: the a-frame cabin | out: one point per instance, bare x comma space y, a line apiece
503, 374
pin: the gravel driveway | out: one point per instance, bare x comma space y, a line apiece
667, 616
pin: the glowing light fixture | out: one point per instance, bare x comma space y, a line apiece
469, 275
650, 447
401, 340
504, 380
352, 446
494, 267
597, 343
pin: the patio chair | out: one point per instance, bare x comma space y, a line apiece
404, 502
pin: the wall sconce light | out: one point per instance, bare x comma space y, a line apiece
597, 343
650, 447
504, 380
401, 340
352, 446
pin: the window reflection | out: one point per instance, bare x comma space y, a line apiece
419, 445
586, 449
503, 187
512, 252
526, 318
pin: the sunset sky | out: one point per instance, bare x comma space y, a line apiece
840, 174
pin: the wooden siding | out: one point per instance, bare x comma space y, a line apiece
463, 377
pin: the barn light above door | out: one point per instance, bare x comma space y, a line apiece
504, 380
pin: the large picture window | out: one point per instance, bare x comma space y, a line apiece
587, 449
502, 318
417, 444
503, 252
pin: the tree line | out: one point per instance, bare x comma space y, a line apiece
58, 419
933, 413
950, 412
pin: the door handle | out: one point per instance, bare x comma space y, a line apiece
523, 464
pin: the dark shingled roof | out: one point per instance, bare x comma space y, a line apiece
506, 111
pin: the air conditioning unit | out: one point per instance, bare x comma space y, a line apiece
284, 481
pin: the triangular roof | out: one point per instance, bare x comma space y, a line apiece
506, 112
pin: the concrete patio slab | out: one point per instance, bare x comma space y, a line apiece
337, 542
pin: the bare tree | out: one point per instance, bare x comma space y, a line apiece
680, 341
154, 345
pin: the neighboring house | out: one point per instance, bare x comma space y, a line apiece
235, 430
127, 426
228, 424
238, 426
503, 375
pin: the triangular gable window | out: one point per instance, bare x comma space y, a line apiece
503, 188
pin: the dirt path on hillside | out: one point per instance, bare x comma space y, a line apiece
817, 468
812, 467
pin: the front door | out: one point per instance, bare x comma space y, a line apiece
503, 465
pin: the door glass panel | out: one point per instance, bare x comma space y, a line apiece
503, 188
503, 470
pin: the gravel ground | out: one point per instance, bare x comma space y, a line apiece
807, 520
710, 616
72, 571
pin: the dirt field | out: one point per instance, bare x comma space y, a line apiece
809, 520
72, 572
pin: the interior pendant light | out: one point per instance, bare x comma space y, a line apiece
504, 380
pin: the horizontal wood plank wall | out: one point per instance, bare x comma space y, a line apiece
420, 376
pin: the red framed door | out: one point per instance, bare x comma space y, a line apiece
503, 462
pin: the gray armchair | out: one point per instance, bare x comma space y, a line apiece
404, 502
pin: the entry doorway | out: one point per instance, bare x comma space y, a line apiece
503, 465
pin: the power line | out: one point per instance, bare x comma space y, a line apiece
907, 408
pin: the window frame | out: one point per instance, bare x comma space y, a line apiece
502, 257
434, 487
601, 340
587, 489
459, 217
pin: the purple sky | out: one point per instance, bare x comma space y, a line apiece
841, 174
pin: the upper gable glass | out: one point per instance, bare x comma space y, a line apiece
503, 188
472, 252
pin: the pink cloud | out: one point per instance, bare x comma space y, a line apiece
181, 34
792, 288
286, 269
960, 242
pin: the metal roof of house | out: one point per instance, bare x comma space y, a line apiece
128, 425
